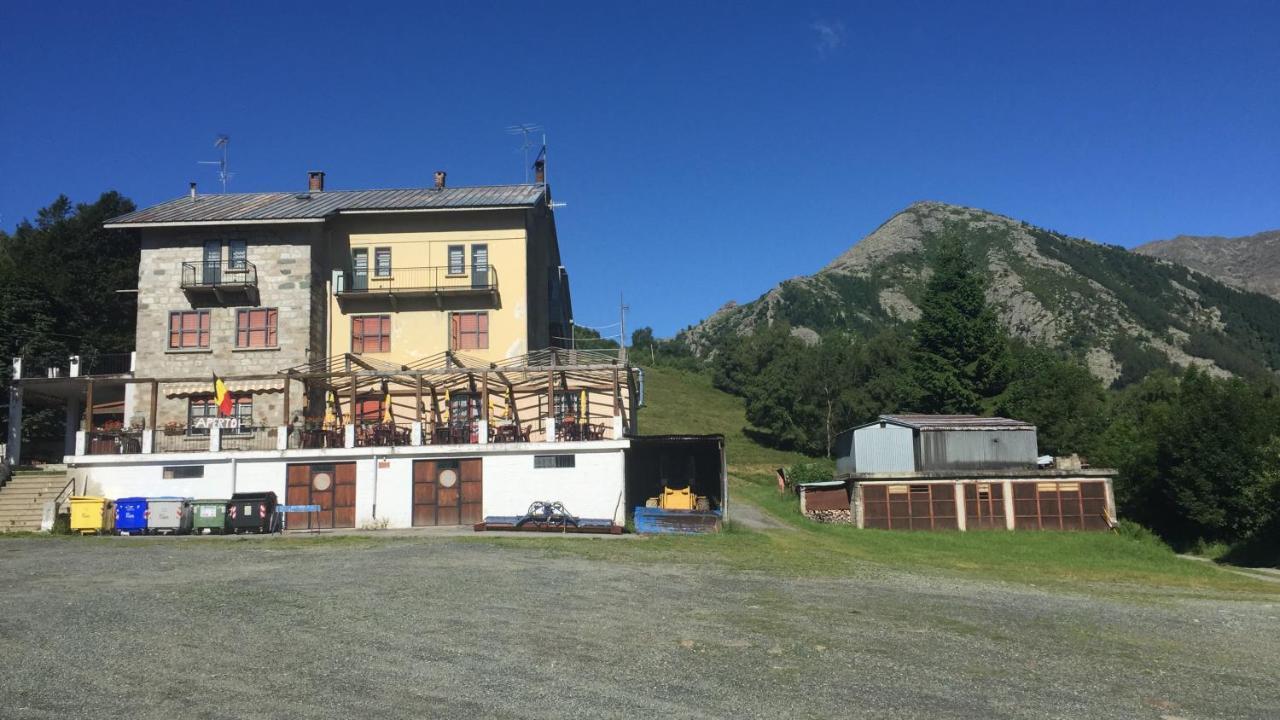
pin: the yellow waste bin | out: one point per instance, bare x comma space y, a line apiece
92, 515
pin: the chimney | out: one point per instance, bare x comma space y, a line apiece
540, 171
193, 191
440, 175
315, 181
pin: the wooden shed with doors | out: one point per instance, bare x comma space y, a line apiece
984, 500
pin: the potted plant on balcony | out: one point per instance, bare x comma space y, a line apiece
173, 427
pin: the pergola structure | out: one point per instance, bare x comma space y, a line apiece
452, 389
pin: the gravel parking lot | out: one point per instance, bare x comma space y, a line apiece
427, 626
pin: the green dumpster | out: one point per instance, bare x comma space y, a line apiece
208, 516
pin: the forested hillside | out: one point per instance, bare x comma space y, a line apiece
1120, 314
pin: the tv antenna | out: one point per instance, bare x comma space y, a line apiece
525, 129
221, 141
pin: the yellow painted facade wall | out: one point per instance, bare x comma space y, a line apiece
420, 328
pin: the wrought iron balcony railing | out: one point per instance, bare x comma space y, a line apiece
419, 281
220, 275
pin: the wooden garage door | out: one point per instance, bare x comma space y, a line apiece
331, 486
929, 506
1060, 505
447, 492
984, 506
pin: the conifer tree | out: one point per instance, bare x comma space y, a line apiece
961, 353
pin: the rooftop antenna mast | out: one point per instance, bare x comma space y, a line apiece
525, 129
221, 141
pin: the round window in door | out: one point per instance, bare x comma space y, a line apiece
448, 478
322, 481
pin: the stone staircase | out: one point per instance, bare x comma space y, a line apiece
23, 497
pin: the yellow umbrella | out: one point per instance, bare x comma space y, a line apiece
330, 419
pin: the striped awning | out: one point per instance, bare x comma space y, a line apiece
234, 386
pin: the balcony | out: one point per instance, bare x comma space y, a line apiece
222, 280
419, 283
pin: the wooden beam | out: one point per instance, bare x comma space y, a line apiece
617, 395
88, 406
155, 400
417, 399
285, 421
351, 417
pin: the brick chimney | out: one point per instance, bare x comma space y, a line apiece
315, 181
440, 175
540, 171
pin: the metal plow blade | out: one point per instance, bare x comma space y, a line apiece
657, 520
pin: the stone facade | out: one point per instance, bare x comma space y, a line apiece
287, 279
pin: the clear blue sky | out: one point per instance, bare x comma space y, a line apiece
705, 151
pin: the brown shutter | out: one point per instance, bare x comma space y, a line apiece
453, 331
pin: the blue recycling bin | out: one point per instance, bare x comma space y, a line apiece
131, 516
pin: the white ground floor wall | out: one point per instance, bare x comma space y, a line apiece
594, 487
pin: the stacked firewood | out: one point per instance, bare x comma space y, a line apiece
831, 516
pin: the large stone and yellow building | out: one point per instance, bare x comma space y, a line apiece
247, 284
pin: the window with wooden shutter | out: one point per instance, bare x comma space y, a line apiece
469, 331
188, 329
371, 334
256, 328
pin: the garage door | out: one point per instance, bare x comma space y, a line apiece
984, 506
332, 486
1060, 505
909, 507
447, 492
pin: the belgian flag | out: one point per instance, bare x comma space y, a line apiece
221, 397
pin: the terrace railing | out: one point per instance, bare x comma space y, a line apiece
419, 281
224, 274
113, 442
250, 438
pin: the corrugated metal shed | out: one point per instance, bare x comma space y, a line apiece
920, 443
316, 206
955, 422
884, 447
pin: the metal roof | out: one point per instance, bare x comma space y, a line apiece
955, 422
316, 206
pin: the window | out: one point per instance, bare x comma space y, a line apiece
256, 328
469, 331
369, 410
188, 329
457, 260
463, 407
360, 269
542, 462
237, 254
207, 407
382, 262
371, 334
183, 472
567, 404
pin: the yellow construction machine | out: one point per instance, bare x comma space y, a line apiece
679, 499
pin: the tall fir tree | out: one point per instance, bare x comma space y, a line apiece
961, 355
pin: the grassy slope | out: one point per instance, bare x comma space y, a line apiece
679, 402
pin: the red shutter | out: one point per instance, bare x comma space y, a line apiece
357, 335
454, 339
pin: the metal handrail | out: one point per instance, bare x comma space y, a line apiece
62, 494
435, 278
223, 273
